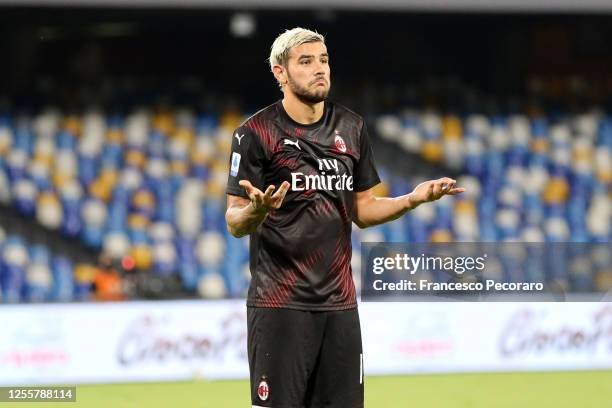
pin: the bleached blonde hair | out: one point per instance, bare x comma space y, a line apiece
279, 53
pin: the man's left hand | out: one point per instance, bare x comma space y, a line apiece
432, 190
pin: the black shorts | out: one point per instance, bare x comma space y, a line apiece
305, 359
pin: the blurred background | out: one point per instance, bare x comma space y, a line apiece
116, 121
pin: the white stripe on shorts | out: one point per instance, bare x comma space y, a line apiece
361, 368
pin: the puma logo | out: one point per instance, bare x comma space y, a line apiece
238, 137
289, 142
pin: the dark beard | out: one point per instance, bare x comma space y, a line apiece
304, 95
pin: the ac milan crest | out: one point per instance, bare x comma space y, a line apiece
263, 389
339, 141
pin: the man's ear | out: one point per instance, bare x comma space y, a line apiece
280, 73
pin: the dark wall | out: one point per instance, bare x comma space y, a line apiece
496, 53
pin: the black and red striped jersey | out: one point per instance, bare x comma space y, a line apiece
300, 256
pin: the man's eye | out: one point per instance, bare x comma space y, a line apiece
306, 62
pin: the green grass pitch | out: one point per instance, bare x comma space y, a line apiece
511, 390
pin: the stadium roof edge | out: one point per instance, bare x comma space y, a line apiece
463, 6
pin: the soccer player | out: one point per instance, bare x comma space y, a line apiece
301, 172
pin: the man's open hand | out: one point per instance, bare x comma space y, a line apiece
432, 190
264, 202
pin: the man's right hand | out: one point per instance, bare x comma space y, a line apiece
264, 202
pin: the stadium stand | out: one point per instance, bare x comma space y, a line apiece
144, 189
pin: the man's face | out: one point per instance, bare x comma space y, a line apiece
308, 73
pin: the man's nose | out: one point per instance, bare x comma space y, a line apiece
319, 68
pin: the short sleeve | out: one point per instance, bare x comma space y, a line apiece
247, 161
366, 175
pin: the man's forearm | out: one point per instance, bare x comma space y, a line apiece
243, 220
378, 210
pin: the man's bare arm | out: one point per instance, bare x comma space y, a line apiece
373, 210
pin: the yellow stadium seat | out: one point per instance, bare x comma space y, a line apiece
604, 175
143, 199
179, 167
441, 235
185, 135
603, 280
381, 190
44, 158
539, 145
465, 207
135, 158
47, 198
84, 273
556, 191
60, 180
138, 221
73, 125
198, 157
163, 122
230, 120
114, 136
100, 190
432, 151
142, 256
109, 176
451, 128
